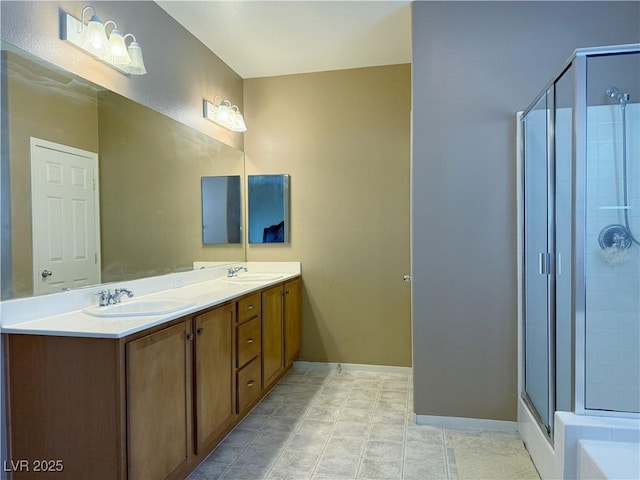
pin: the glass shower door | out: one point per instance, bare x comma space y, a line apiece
537, 259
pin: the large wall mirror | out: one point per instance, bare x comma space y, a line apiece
269, 209
148, 177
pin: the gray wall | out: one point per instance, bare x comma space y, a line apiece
474, 65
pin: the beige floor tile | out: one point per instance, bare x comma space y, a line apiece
316, 427
423, 471
318, 424
212, 470
258, 456
355, 415
350, 429
226, 454
239, 436
423, 452
388, 418
308, 443
248, 473
376, 469
388, 432
424, 433
296, 461
338, 466
289, 475
349, 446
381, 449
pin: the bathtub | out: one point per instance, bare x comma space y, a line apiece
584, 446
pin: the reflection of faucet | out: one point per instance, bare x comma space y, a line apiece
233, 271
108, 298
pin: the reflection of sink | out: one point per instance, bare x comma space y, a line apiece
252, 277
134, 308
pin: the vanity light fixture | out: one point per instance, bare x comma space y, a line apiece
224, 114
111, 49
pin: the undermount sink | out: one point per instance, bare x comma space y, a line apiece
253, 277
135, 308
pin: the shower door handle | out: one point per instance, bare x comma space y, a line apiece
559, 264
544, 263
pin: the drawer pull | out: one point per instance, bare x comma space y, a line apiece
249, 341
251, 383
250, 307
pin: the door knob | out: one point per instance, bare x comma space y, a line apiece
46, 273
406, 278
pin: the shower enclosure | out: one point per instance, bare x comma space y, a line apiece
580, 220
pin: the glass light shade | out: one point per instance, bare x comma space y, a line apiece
95, 38
136, 67
237, 121
117, 53
223, 114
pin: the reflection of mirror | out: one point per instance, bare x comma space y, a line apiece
221, 210
269, 209
150, 168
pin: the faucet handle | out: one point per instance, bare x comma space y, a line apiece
104, 296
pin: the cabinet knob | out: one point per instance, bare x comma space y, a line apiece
250, 307
251, 383
189, 336
200, 330
249, 340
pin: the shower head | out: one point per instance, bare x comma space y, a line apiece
615, 93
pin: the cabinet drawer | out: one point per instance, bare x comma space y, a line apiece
249, 307
249, 341
249, 384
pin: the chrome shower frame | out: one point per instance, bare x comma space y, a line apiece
578, 61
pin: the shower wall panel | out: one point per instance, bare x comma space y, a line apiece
612, 371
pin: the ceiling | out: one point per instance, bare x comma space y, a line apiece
264, 38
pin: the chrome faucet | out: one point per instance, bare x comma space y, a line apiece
108, 298
233, 271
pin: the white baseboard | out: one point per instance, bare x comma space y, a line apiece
354, 366
466, 423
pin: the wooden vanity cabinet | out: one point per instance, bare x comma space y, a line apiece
66, 402
280, 330
153, 404
272, 335
158, 397
213, 375
248, 352
291, 321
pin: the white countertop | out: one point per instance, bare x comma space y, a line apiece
200, 295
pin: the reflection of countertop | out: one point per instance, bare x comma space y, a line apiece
199, 294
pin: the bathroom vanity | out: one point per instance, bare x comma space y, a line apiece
150, 403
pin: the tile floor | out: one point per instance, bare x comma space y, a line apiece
324, 424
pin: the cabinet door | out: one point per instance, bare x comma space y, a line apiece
157, 376
291, 321
272, 334
214, 373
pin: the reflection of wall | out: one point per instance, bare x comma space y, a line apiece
50, 107
343, 137
150, 170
